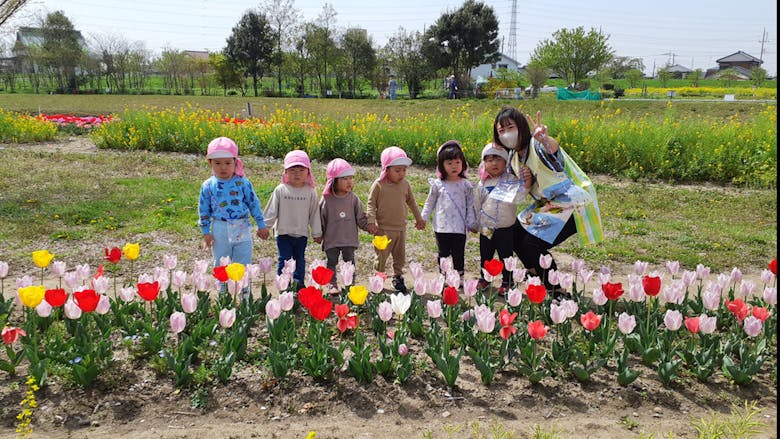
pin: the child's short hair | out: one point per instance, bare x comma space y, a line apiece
450, 150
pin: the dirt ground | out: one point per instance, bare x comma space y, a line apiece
132, 402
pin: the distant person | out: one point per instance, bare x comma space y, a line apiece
453, 88
341, 214
293, 211
226, 201
392, 86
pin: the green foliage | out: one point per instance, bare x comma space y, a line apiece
251, 44
741, 423
572, 53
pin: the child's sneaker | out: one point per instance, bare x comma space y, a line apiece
398, 284
333, 290
482, 284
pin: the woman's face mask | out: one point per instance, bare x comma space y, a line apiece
509, 138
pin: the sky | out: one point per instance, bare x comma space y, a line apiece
692, 33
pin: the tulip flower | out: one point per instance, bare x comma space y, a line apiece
752, 326
72, 310
320, 310
505, 318
536, 293
357, 294
189, 302
707, 324
598, 297
494, 267
673, 319
384, 311
736, 275
450, 296
148, 290
770, 295
346, 273
170, 261
692, 324
227, 317
11, 333
42, 258
514, 297
234, 271
131, 251
31, 296
590, 320
612, 290
322, 275
435, 284
420, 286
485, 319
289, 267
545, 261
518, 275
309, 296
470, 287
416, 269
282, 281
710, 299
433, 307
453, 279
537, 330
400, 303
772, 266
767, 276
673, 267
127, 294
58, 268
376, 284
702, 271
651, 285
114, 255
381, 242
178, 322
3, 269
626, 323
56, 297
43, 309
445, 264
104, 305
347, 320
273, 309
87, 300
557, 314
287, 300
760, 313
403, 350
640, 267
738, 308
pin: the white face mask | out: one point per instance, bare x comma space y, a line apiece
509, 139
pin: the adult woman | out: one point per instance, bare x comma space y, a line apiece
557, 202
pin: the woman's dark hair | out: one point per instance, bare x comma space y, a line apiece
507, 114
451, 150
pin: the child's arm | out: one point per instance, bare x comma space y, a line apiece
430, 202
362, 219
373, 195
323, 214
314, 218
471, 214
419, 220
204, 215
272, 209
255, 209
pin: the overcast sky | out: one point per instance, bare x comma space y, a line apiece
691, 33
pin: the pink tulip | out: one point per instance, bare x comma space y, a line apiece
736, 275
673, 267
570, 307
346, 273
420, 286
486, 318
673, 319
170, 261
470, 287
640, 267
273, 309
746, 287
453, 279
434, 308
189, 302
436, 285
403, 350
416, 269
553, 277
376, 284
636, 292
510, 263
104, 305
289, 267
163, 281
752, 326
518, 275
200, 281
227, 317
445, 264
100, 285
487, 276
688, 277
566, 280
3, 269
770, 295
71, 280
514, 297
58, 268
707, 324
598, 296
72, 310
179, 279
225, 261
43, 309
604, 278
385, 311
584, 276
545, 261
702, 271
286, 300
201, 266
282, 281
711, 299
626, 323
127, 294
83, 272
533, 280
178, 322
767, 276
557, 313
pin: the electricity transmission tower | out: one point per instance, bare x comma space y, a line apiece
513, 32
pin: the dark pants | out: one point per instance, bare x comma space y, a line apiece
502, 241
292, 247
452, 244
528, 247
332, 256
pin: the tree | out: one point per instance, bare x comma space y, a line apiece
62, 50
572, 53
251, 44
619, 65
227, 74
695, 77
664, 75
403, 53
282, 17
359, 56
319, 47
173, 65
758, 76
8, 8
114, 52
537, 74
633, 77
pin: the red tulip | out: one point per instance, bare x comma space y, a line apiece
590, 320
99, 272
11, 334
450, 296
612, 291
114, 255
347, 320
738, 308
220, 273
760, 313
308, 296
651, 285
320, 310
692, 323
322, 275
342, 310
536, 329
87, 300
772, 266
494, 267
536, 293
149, 290
56, 297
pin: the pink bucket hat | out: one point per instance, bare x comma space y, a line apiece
393, 156
225, 148
297, 157
491, 149
337, 168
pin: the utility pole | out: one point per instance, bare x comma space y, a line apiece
763, 40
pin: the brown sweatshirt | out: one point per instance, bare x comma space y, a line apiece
386, 202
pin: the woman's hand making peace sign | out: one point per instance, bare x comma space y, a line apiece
539, 132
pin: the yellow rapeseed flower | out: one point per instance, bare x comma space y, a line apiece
42, 258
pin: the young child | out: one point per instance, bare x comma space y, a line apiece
341, 214
387, 200
497, 212
293, 212
226, 201
451, 199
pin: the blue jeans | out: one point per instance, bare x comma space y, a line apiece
292, 247
240, 252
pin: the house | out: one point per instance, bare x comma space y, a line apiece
33, 36
491, 70
679, 72
198, 54
740, 64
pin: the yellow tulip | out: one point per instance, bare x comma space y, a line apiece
381, 242
357, 294
131, 251
235, 271
42, 258
32, 296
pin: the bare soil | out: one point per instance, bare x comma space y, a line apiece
132, 401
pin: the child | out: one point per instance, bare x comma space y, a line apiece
451, 198
341, 214
292, 211
226, 201
386, 210
497, 211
